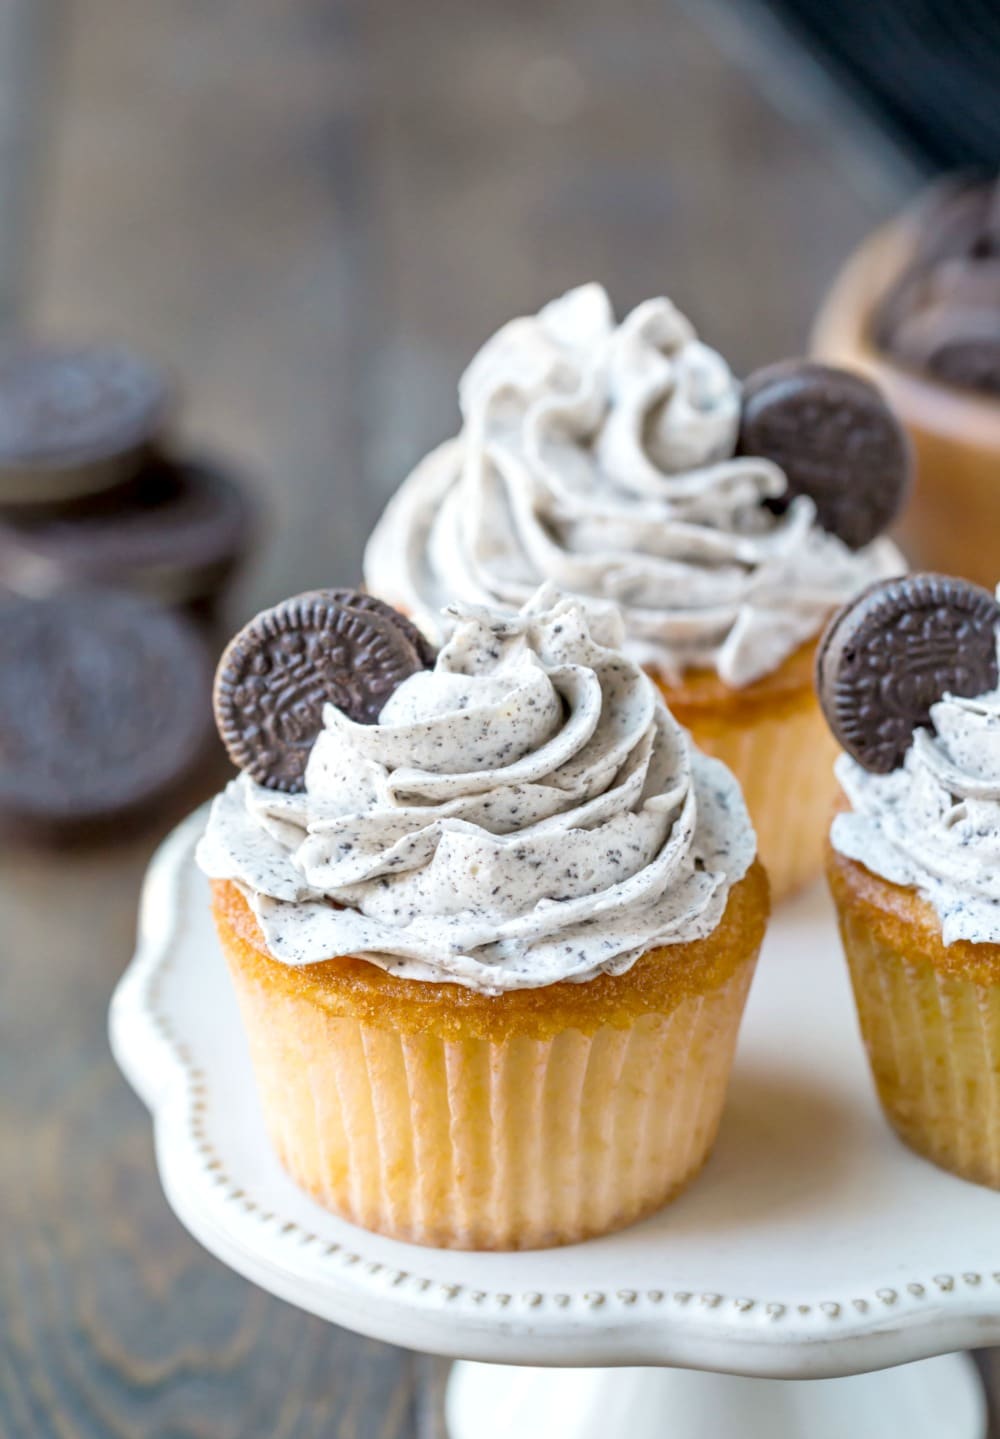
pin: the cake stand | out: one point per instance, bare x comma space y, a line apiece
813, 1247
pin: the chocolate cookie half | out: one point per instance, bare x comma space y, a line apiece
104, 708
896, 650
335, 647
74, 420
836, 440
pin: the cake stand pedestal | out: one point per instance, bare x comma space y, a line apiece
813, 1247
933, 1399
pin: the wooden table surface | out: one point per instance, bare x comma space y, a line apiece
314, 210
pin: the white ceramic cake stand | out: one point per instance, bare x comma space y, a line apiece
814, 1246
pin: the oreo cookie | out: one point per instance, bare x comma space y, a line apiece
957, 218
335, 647
74, 420
942, 313
892, 653
177, 534
956, 343
104, 710
947, 323
836, 440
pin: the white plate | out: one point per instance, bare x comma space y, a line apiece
814, 1244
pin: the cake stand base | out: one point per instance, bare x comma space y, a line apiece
925, 1400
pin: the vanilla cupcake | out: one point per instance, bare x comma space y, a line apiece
909, 679
490, 917
917, 308
622, 462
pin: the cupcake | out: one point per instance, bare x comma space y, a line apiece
917, 308
909, 680
623, 462
490, 917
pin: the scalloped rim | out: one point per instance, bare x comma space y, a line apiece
421, 1307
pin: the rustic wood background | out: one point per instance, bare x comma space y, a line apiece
314, 210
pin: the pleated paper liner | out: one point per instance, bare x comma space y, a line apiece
930, 1019
541, 1125
773, 737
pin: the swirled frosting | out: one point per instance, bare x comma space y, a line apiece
526, 812
933, 824
600, 457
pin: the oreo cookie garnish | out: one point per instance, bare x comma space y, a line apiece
892, 653
74, 420
836, 440
335, 647
104, 708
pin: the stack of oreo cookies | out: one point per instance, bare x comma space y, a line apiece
89, 490
114, 554
942, 315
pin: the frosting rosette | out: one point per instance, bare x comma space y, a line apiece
527, 811
933, 824
600, 457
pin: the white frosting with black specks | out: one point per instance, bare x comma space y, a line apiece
526, 812
600, 457
933, 824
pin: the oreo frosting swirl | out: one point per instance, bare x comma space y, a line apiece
601, 457
933, 823
525, 812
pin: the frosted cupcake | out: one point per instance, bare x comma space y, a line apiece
917, 308
490, 917
909, 678
623, 462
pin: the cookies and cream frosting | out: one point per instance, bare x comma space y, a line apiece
933, 823
527, 811
600, 456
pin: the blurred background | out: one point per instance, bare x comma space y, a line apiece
313, 212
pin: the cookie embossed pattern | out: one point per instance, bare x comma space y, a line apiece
945, 631
325, 647
814, 1246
